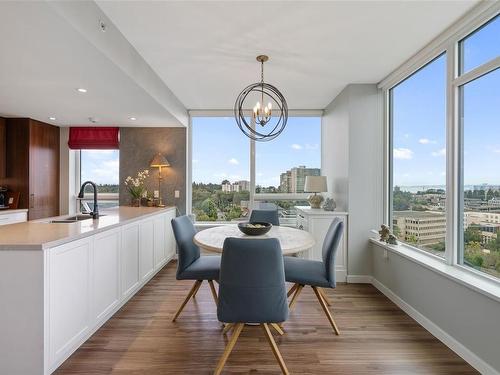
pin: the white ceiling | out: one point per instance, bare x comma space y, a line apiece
205, 50
43, 60
158, 58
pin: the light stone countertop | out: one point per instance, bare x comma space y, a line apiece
41, 234
13, 211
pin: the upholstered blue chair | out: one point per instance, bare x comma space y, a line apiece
317, 274
190, 266
265, 216
252, 290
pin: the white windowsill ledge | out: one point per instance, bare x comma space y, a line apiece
483, 285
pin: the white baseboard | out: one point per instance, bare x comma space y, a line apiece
444, 337
359, 279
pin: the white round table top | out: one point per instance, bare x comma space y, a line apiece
292, 240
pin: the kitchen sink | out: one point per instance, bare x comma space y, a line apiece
73, 219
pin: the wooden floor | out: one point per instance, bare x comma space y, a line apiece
376, 337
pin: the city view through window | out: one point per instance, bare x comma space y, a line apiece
418, 122
221, 169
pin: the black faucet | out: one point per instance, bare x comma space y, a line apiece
95, 213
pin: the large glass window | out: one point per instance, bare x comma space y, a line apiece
481, 173
103, 168
481, 46
220, 170
418, 123
419, 119
221, 165
282, 165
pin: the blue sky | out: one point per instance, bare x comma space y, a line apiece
419, 119
221, 151
100, 166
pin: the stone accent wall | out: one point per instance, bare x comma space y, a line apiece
137, 148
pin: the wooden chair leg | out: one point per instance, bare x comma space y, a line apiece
227, 328
325, 309
325, 297
277, 328
294, 298
222, 361
292, 289
197, 288
214, 293
275, 349
190, 294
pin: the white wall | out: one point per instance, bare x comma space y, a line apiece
466, 320
352, 144
353, 148
67, 175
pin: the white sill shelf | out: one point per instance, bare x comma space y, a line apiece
478, 283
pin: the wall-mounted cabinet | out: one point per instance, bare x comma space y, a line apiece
32, 165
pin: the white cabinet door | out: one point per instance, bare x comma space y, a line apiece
106, 273
169, 235
146, 248
12, 218
69, 297
159, 240
129, 256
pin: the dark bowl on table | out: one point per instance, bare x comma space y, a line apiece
255, 229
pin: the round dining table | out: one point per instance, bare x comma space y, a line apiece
292, 240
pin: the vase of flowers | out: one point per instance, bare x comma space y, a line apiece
136, 187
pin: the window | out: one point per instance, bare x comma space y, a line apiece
101, 167
481, 173
418, 123
481, 46
282, 165
421, 117
220, 170
222, 189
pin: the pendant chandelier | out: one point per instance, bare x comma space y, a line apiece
266, 121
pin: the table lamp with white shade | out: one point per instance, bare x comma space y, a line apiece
315, 184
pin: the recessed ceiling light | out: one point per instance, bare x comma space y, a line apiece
52, 118
81, 90
132, 118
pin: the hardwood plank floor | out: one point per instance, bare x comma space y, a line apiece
376, 337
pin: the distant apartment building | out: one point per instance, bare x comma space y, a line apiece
244, 185
488, 224
293, 180
228, 187
424, 227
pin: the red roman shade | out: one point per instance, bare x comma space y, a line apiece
93, 138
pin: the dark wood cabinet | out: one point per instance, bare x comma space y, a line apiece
33, 165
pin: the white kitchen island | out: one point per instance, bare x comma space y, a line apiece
60, 282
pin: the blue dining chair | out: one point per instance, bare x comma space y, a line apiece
190, 266
316, 274
252, 290
265, 216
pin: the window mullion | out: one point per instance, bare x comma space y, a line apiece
252, 168
452, 149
